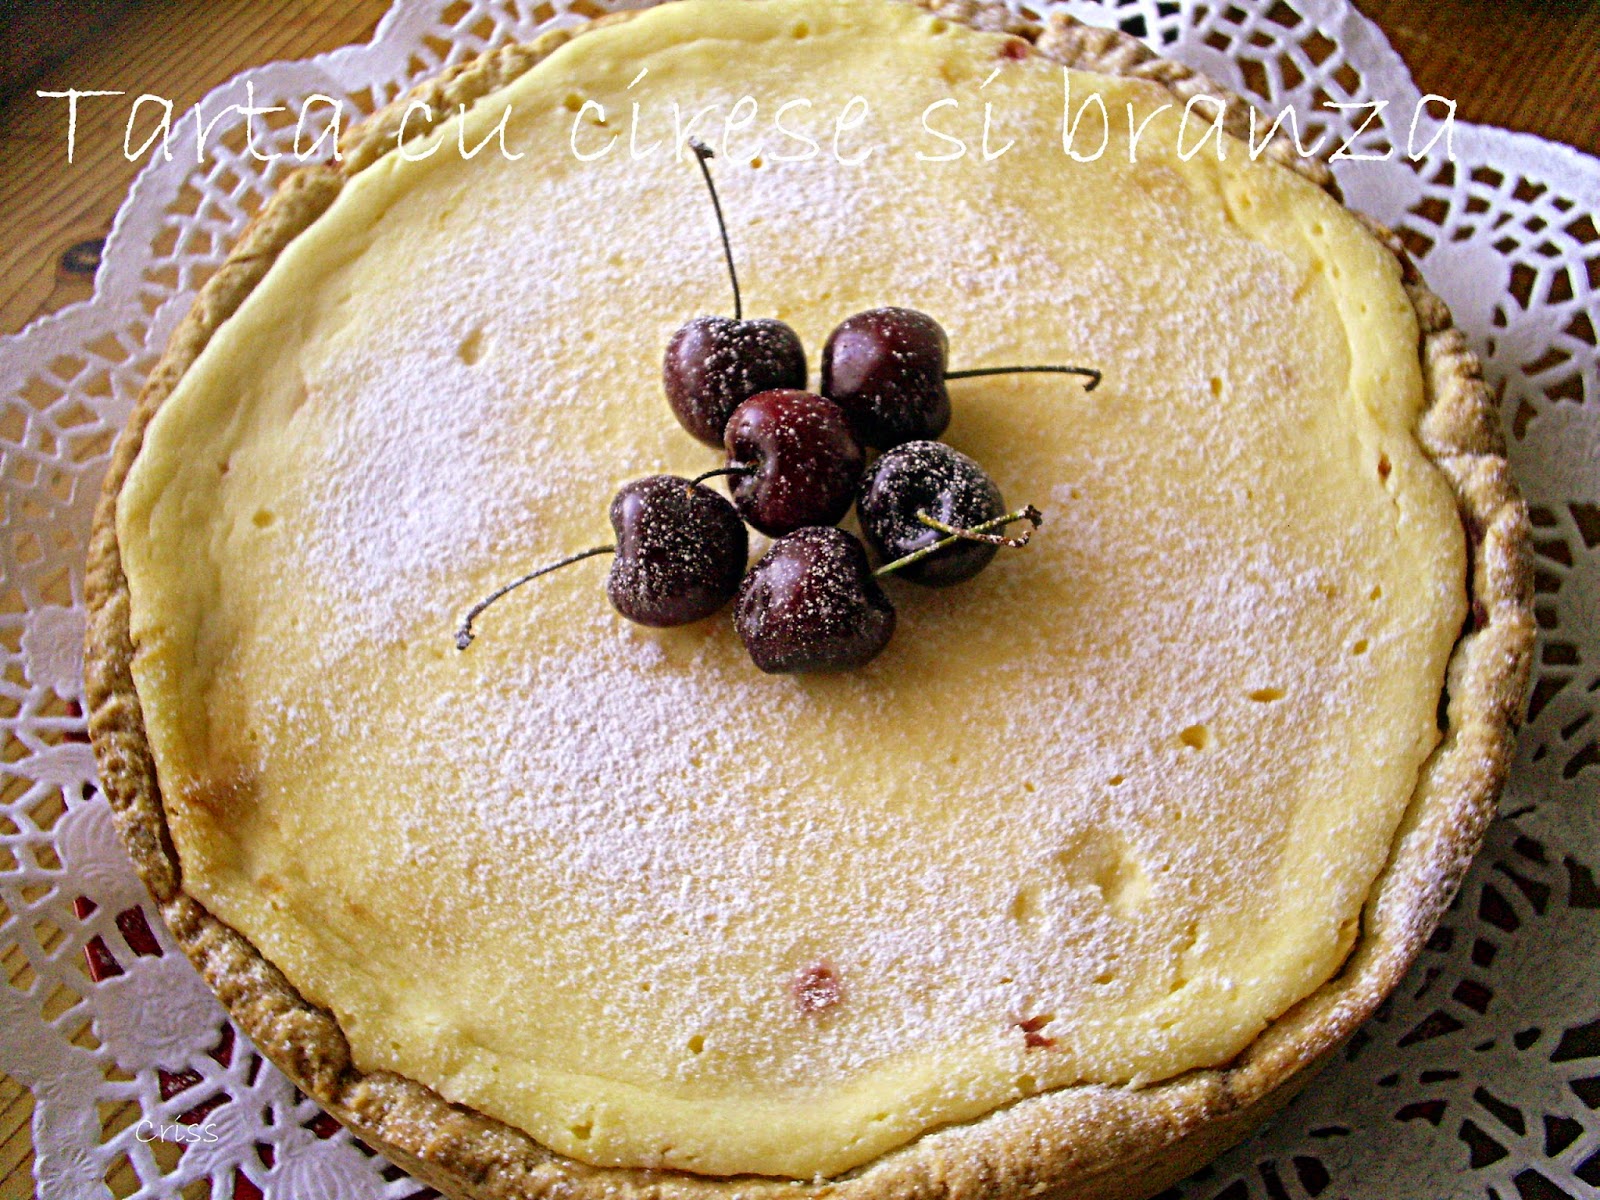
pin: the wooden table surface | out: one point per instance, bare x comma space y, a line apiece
1532, 65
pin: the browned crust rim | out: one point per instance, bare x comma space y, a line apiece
1094, 1141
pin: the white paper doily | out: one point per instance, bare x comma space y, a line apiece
1481, 1075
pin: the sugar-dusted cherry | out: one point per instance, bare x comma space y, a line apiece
680, 553
713, 364
931, 513
792, 461
887, 369
811, 604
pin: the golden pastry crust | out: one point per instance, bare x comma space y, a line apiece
1106, 1143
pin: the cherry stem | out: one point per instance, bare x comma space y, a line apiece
702, 152
730, 469
977, 533
464, 634
1089, 373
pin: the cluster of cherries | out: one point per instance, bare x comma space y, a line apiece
796, 462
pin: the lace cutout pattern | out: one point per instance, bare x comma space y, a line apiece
1480, 1076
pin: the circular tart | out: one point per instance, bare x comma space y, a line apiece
1062, 893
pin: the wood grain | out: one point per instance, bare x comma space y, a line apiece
1523, 64
1529, 65
179, 49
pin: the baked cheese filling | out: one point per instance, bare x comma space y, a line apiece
1097, 816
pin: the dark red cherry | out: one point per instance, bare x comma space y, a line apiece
886, 369
811, 604
681, 551
714, 364
794, 461
928, 478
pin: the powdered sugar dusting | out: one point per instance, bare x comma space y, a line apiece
391, 514
1043, 833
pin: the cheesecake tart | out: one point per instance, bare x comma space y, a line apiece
1061, 894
